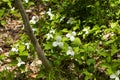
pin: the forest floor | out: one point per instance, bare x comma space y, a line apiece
9, 34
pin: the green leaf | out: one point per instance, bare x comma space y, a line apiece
9, 4
24, 53
90, 61
40, 75
65, 30
2, 57
2, 12
21, 47
3, 22
5, 0
109, 42
48, 46
76, 49
77, 42
103, 53
91, 48
114, 49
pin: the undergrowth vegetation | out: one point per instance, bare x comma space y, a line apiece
80, 38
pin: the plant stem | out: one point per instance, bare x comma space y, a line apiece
29, 32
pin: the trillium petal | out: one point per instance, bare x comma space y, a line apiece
52, 31
50, 14
49, 36
112, 76
20, 62
72, 53
72, 38
34, 20
26, 1
14, 49
28, 45
68, 35
68, 52
55, 44
86, 30
118, 72
117, 78
74, 33
60, 44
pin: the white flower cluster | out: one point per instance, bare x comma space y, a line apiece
115, 75
34, 19
20, 62
70, 51
27, 45
86, 30
71, 35
58, 42
50, 14
50, 34
15, 49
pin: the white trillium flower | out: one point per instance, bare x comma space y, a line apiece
52, 31
63, 17
14, 49
20, 62
12, 9
55, 44
70, 21
34, 20
68, 35
27, 45
34, 30
58, 42
74, 33
115, 76
86, 30
70, 51
71, 36
50, 34
26, 1
50, 14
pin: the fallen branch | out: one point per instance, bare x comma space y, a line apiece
29, 32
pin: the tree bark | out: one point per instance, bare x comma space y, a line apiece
29, 32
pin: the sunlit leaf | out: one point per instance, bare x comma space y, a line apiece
77, 42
